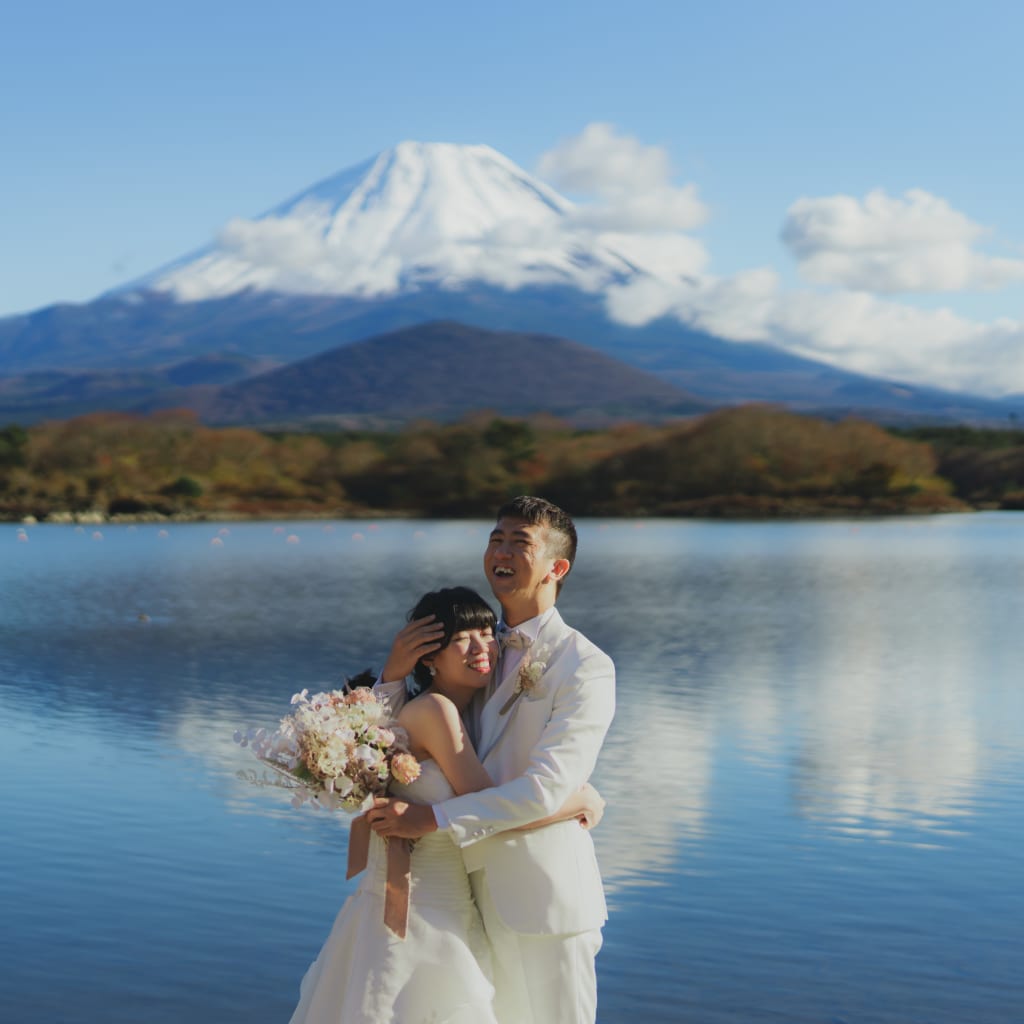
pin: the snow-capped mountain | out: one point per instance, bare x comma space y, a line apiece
422, 232
420, 213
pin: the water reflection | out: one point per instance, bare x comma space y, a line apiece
795, 700
868, 670
870, 660
655, 775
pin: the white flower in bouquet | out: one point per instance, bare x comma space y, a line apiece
337, 749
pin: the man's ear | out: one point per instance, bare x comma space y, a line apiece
560, 568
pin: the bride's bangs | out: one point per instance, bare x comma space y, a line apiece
457, 609
472, 615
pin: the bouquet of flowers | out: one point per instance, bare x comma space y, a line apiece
337, 749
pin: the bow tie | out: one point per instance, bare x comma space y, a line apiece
514, 638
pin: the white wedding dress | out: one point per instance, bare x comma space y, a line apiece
439, 974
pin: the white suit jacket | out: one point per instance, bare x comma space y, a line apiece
544, 882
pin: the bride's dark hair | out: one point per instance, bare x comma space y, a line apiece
457, 609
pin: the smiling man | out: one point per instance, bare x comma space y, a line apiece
539, 732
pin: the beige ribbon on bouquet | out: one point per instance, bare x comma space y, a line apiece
396, 894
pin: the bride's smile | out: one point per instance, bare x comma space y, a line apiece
468, 660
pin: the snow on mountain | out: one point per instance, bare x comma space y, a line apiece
419, 213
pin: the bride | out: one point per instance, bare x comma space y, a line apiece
440, 972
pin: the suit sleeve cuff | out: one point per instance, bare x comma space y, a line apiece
392, 695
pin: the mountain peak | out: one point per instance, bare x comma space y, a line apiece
448, 168
417, 213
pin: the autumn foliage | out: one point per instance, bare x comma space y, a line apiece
752, 460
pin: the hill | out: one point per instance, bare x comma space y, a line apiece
153, 332
444, 370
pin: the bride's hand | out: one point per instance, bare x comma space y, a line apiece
420, 637
398, 818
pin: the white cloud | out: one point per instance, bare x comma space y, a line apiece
670, 257
738, 308
657, 210
643, 299
880, 244
852, 330
630, 205
287, 254
884, 338
599, 161
913, 243
631, 181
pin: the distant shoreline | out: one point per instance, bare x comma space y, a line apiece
750, 462
711, 508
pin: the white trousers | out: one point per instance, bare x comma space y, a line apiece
539, 979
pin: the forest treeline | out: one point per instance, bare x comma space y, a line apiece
752, 460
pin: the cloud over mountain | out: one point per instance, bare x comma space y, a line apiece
913, 243
850, 329
421, 212
632, 183
448, 215
437, 215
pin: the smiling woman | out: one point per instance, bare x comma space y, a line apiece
468, 651
362, 975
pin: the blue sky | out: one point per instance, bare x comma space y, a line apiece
132, 133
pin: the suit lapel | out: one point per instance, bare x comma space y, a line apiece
492, 723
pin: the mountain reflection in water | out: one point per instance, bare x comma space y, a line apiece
814, 778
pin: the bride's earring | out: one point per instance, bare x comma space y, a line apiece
432, 670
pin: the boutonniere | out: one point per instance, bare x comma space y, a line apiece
528, 678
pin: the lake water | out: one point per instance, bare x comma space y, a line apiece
815, 777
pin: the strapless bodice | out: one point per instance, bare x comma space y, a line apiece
438, 875
430, 788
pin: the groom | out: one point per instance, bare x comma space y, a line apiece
538, 734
